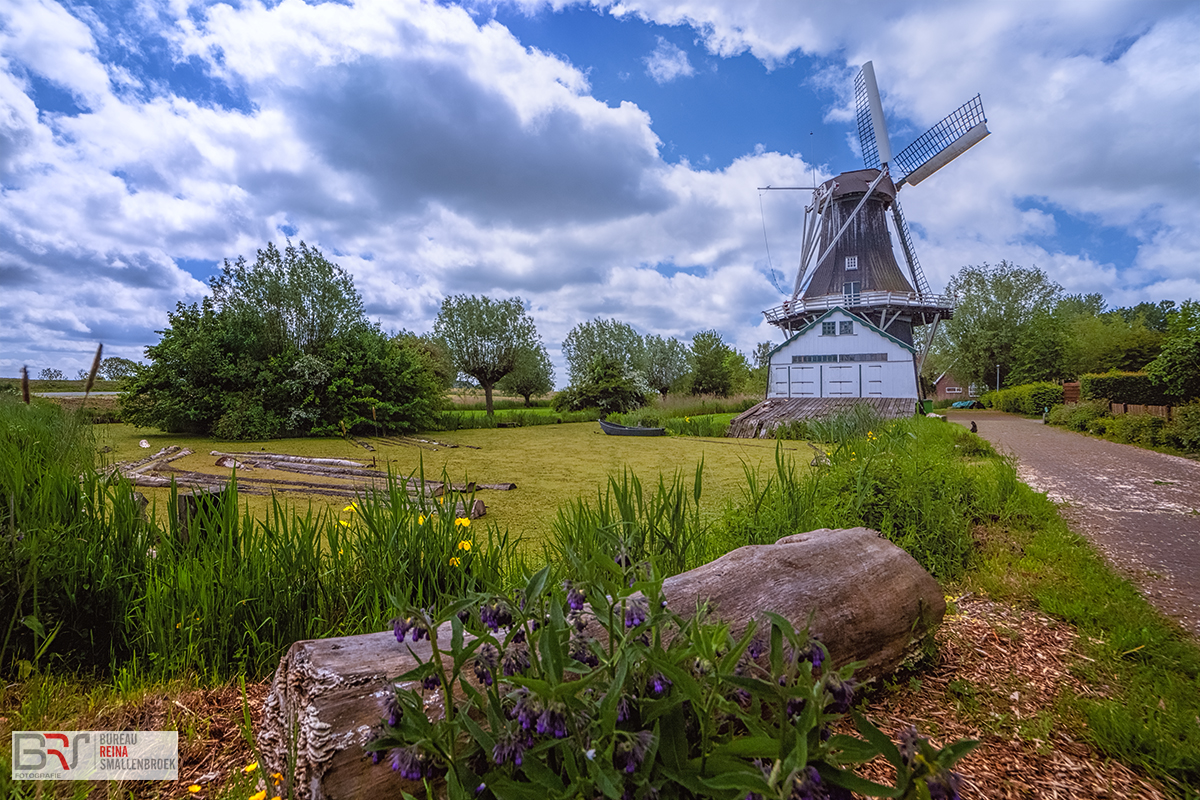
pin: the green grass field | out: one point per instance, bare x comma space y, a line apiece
550, 464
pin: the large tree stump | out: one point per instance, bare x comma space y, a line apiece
868, 601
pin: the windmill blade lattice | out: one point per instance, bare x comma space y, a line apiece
967, 119
866, 131
910, 254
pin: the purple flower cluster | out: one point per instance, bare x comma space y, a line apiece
657, 685
795, 707
392, 710
402, 625
575, 597
808, 786
432, 681
553, 721
510, 748
624, 708
814, 653
495, 614
841, 692
944, 786
485, 664
631, 752
516, 659
582, 652
412, 764
757, 648
636, 611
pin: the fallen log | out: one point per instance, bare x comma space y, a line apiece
339, 462
868, 601
497, 487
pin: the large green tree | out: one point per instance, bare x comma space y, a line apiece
666, 362
1000, 310
609, 339
712, 364
485, 337
281, 347
532, 375
1177, 368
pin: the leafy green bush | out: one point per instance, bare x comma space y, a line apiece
1080, 416
656, 705
607, 386
1137, 429
1029, 398
1183, 431
1123, 387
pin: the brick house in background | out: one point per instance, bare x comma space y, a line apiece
948, 387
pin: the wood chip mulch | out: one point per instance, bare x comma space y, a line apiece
998, 675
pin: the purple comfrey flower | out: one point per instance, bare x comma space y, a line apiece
519, 635
582, 652
624, 708
795, 707
944, 786
401, 626
813, 652
756, 648
485, 663
631, 752
376, 756
636, 610
577, 620
909, 744
526, 710
658, 684
464, 616
509, 748
575, 597
495, 614
432, 681
841, 692
392, 710
808, 786
552, 721
516, 659
480, 788
622, 558
411, 763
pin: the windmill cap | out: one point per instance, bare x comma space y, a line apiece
858, 181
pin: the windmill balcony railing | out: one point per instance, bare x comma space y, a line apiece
793, 308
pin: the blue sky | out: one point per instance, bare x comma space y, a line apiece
594, 158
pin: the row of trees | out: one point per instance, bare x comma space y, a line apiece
283, 347
1018, 320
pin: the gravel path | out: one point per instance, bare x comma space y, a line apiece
1140, 508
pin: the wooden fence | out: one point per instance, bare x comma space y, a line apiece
1140, 410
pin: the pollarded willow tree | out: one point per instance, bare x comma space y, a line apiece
666, 362
485, 337
533, 374
606, 339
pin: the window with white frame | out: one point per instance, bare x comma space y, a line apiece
851, 262
845, 327
829, 329
953, 390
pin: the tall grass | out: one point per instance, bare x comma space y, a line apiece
87, 583
456, 420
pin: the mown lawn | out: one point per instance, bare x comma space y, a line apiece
550, 464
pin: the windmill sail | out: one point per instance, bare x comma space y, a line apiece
910, 254
866, 127
942, 143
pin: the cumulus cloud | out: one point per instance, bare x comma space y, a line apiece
667, 63
431, 153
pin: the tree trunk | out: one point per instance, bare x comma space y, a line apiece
487, 394
867, 599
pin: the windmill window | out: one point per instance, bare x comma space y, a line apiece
829, 329
845, 327
851, 262
850, 290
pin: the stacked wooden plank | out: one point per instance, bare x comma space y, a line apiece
761, 421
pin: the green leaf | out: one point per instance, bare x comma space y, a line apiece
740, 781
854, 783
31, 622
534, 765
551, 645
851, 750
481, 737
456, 635
751, 747
537, 584
879, 739
674, 738
953, 752
605, 782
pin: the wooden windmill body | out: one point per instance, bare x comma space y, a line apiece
860, 324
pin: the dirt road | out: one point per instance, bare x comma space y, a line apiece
1140, 508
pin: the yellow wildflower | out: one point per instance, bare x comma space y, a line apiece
277, 777
261, 794
352, 507
250, 768
464, 544
454, 562
194, 788
343, 523
420, 519
464, 523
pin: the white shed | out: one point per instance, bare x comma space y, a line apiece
842, 355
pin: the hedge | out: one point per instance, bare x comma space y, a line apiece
1123, 387
1029, 398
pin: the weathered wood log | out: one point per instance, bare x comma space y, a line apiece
498, 487
868, 600
338, 462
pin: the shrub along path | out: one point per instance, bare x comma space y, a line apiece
1138, 507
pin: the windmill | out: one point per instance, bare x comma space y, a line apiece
847, 260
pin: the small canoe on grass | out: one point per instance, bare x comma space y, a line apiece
613, 429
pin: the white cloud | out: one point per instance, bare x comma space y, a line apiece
667, 63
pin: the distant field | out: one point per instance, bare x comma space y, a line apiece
551, 464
